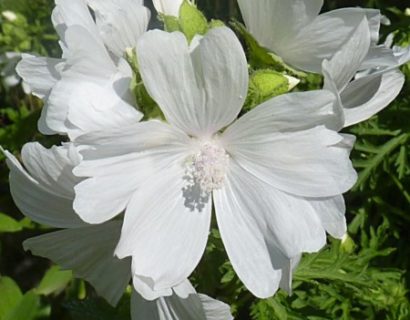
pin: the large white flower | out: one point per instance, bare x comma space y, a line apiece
275, 176
376, 78
92, 79
294, 30
44, 191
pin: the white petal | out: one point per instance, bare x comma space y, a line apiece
170, 234
39, 73
262, 229
146, 291
366, 96
307, 163
346, 62
288, 266
93, 108
215, 309
196, 306
116, 167
121, 23
314, 43
89, 252
275, 23
88, 62
168, 7
402, 54
286, 113
331, 212
183, 290
41, 202
379, 56
209, 82
110, 186
52, 168
273, 139
146, 135
69, 13
374, 19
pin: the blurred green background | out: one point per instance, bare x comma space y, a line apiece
363, 277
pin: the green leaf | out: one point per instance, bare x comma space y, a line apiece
10, 296
191, 20
99, 309
8, 224
381, 153
26, 309
54, 281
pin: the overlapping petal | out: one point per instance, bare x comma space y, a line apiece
91, 84
169, 231
89, 252
274, 23
267, 226
120, 23
87, 70
113, 175
299, 157
371, 90
345, 63
40, 73
68, 13
200, 89
366, 96
43, 193
294, 31
195, 306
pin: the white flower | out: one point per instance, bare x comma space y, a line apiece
8, 62
9, 15
43, 191
168, 7
374, 69
92, 79
275, 176
294, 30
10, 78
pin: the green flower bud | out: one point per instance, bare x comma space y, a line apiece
266, 84
347, 244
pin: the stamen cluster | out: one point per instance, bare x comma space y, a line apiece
209, 166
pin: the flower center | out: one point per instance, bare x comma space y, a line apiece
208, 166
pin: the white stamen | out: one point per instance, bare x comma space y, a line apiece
209, 166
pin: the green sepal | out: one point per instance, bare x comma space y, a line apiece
171, 23
192, 21
216, 23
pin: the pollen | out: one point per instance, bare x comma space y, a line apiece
209, 165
